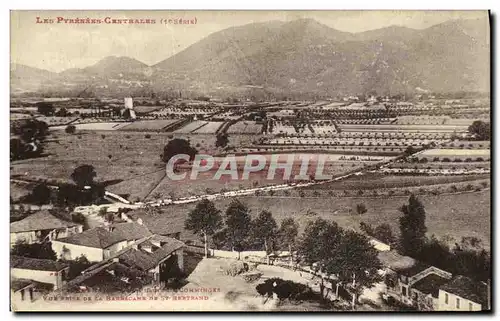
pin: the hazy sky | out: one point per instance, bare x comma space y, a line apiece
61, 46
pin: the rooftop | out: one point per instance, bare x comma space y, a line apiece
469, 289
396, 261
160, 223
103, 237
28, 263
430, 284
160, 246
42, 220
19, 284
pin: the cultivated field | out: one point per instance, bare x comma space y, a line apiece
96, 126
453, 215
149, 125
210, 127
461, 153
191, 127
245, 127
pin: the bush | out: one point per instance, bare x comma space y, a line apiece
147, 136
285, 289
70, 129
361, 209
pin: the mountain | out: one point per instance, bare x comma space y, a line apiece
111, 66
305, 57
26, 78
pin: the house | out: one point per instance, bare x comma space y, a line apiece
111, 277
100, 243
41, 226
44, 271
160, 223
22, 290
411, 282
425, 292
153, 260
160, 256
464, 294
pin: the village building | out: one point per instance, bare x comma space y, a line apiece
166, 225
411, 282
153, 261
51, 273
40, 227
464, 294
100, 243
22, 290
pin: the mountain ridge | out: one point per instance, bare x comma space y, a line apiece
304, 55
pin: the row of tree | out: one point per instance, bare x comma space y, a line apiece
465, 258
343, 256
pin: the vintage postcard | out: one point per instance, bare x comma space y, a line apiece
250, 161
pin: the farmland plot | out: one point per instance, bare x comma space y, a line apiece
149, 125
190, 127
96, 126
245, 127
209, 128
453, 154
407, 128
454, 215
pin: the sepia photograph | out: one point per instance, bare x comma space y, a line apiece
250, 161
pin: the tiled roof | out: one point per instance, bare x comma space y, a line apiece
100, 279
28, 263
103, 237
144, 260
18, 284
469, 289
395, 261
430, 284
42, 220
160, 223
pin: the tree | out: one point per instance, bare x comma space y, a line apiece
481, 130
412, 226
287, 234
264, 229
238, 221
40, 194
63, 112
222, 140
30, 137
204, 220
70, 129
78, 265
177, 146
317, 243
361, 209
355, 262
383, 232
35, 250
84, 175
45, 108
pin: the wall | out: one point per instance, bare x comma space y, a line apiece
180, 258
31, 237
452, 301
74, 251
236, 255
28, 237
115, 248
51, 277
